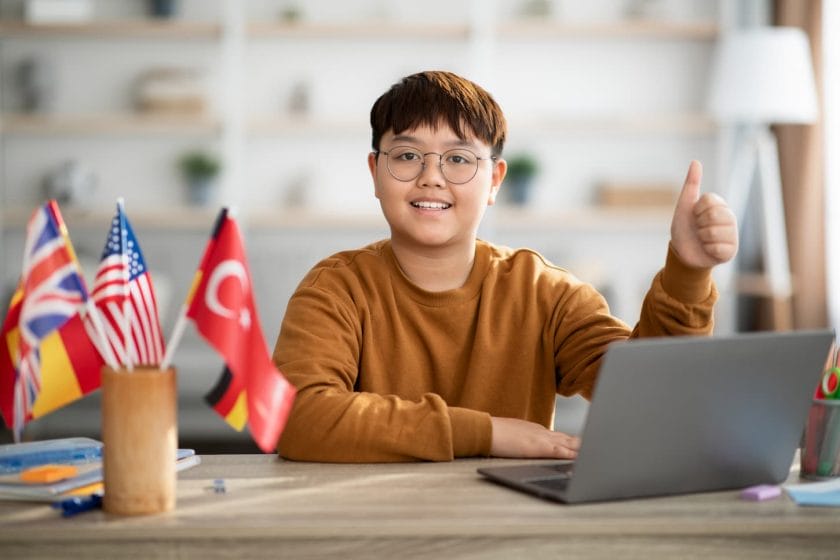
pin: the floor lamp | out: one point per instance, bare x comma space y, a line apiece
763, 76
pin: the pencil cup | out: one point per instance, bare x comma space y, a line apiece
820, 455
140, 437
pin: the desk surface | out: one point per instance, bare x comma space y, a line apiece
437, 510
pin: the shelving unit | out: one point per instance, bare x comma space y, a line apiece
266, 148
146, 29
383, 30
577, 114
634, 29
106, 124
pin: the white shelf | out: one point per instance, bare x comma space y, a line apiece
377, 30
114, 123
190, 218
543, 29
593, 218
269, 125
128, 29
691, 124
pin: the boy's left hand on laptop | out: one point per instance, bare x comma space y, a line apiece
517, 438
704, 231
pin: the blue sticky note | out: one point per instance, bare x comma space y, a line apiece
825, 494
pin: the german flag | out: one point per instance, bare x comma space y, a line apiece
228, 399
70, 364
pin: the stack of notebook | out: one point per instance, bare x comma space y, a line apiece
55, 469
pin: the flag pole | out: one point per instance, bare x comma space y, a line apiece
181, 323
177, 334
130, 348
102, 344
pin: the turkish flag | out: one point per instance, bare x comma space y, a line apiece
222, 307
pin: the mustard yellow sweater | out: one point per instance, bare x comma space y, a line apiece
386, 371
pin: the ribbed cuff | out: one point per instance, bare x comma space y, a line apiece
683, 282
471, 432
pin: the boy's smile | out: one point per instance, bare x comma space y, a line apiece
429, 211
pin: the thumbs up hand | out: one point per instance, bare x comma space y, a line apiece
704, 231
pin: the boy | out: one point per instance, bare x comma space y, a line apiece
431, 344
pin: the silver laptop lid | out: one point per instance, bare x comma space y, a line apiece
687, 414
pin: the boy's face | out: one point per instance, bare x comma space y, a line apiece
431, 211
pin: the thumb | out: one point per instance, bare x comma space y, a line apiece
691, 188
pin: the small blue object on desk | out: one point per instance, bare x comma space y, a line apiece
761, 492
16, 457
79, 504
826, 494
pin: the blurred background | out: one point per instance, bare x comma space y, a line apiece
183, 106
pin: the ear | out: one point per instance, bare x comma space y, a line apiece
372, 167
499, 172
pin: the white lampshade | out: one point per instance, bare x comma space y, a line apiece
763, 75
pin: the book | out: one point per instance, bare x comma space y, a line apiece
16, 457
85, 455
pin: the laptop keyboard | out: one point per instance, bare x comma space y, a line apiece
557, 477
566, 469
551, 483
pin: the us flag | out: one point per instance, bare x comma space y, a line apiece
52, 292
123, 293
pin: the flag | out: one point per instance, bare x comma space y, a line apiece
125, 298
221, 303
46, 357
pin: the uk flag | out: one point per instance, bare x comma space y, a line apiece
124, 295
53, 292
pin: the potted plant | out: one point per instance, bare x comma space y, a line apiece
199, 170
521, 169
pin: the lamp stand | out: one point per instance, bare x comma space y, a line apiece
760, 153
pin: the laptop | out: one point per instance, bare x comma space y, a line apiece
679, 415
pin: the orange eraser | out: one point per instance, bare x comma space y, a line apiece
45, 474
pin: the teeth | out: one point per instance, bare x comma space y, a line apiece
431, 205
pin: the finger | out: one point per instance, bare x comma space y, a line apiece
707, 201
720, 252
716, 234
560, 452
691, 187
565, 446
573, 442
716, 216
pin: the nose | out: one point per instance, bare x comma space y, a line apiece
432, 173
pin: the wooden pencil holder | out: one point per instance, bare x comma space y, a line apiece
140, 437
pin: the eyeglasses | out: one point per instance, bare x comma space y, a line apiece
458, 166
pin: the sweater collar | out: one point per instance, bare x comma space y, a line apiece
469, 290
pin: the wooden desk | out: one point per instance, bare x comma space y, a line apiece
273, 508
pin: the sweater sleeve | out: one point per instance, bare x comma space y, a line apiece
318, 351
680, 301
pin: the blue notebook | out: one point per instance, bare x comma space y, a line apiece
84, 453
15, 457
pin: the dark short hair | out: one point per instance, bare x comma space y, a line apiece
435, 97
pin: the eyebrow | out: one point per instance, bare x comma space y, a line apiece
415, 140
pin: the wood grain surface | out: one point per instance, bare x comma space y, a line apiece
279, 509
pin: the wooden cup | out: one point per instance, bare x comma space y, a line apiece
140, 436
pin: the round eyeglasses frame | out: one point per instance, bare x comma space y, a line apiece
441, 165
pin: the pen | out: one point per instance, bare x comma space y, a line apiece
79, 504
